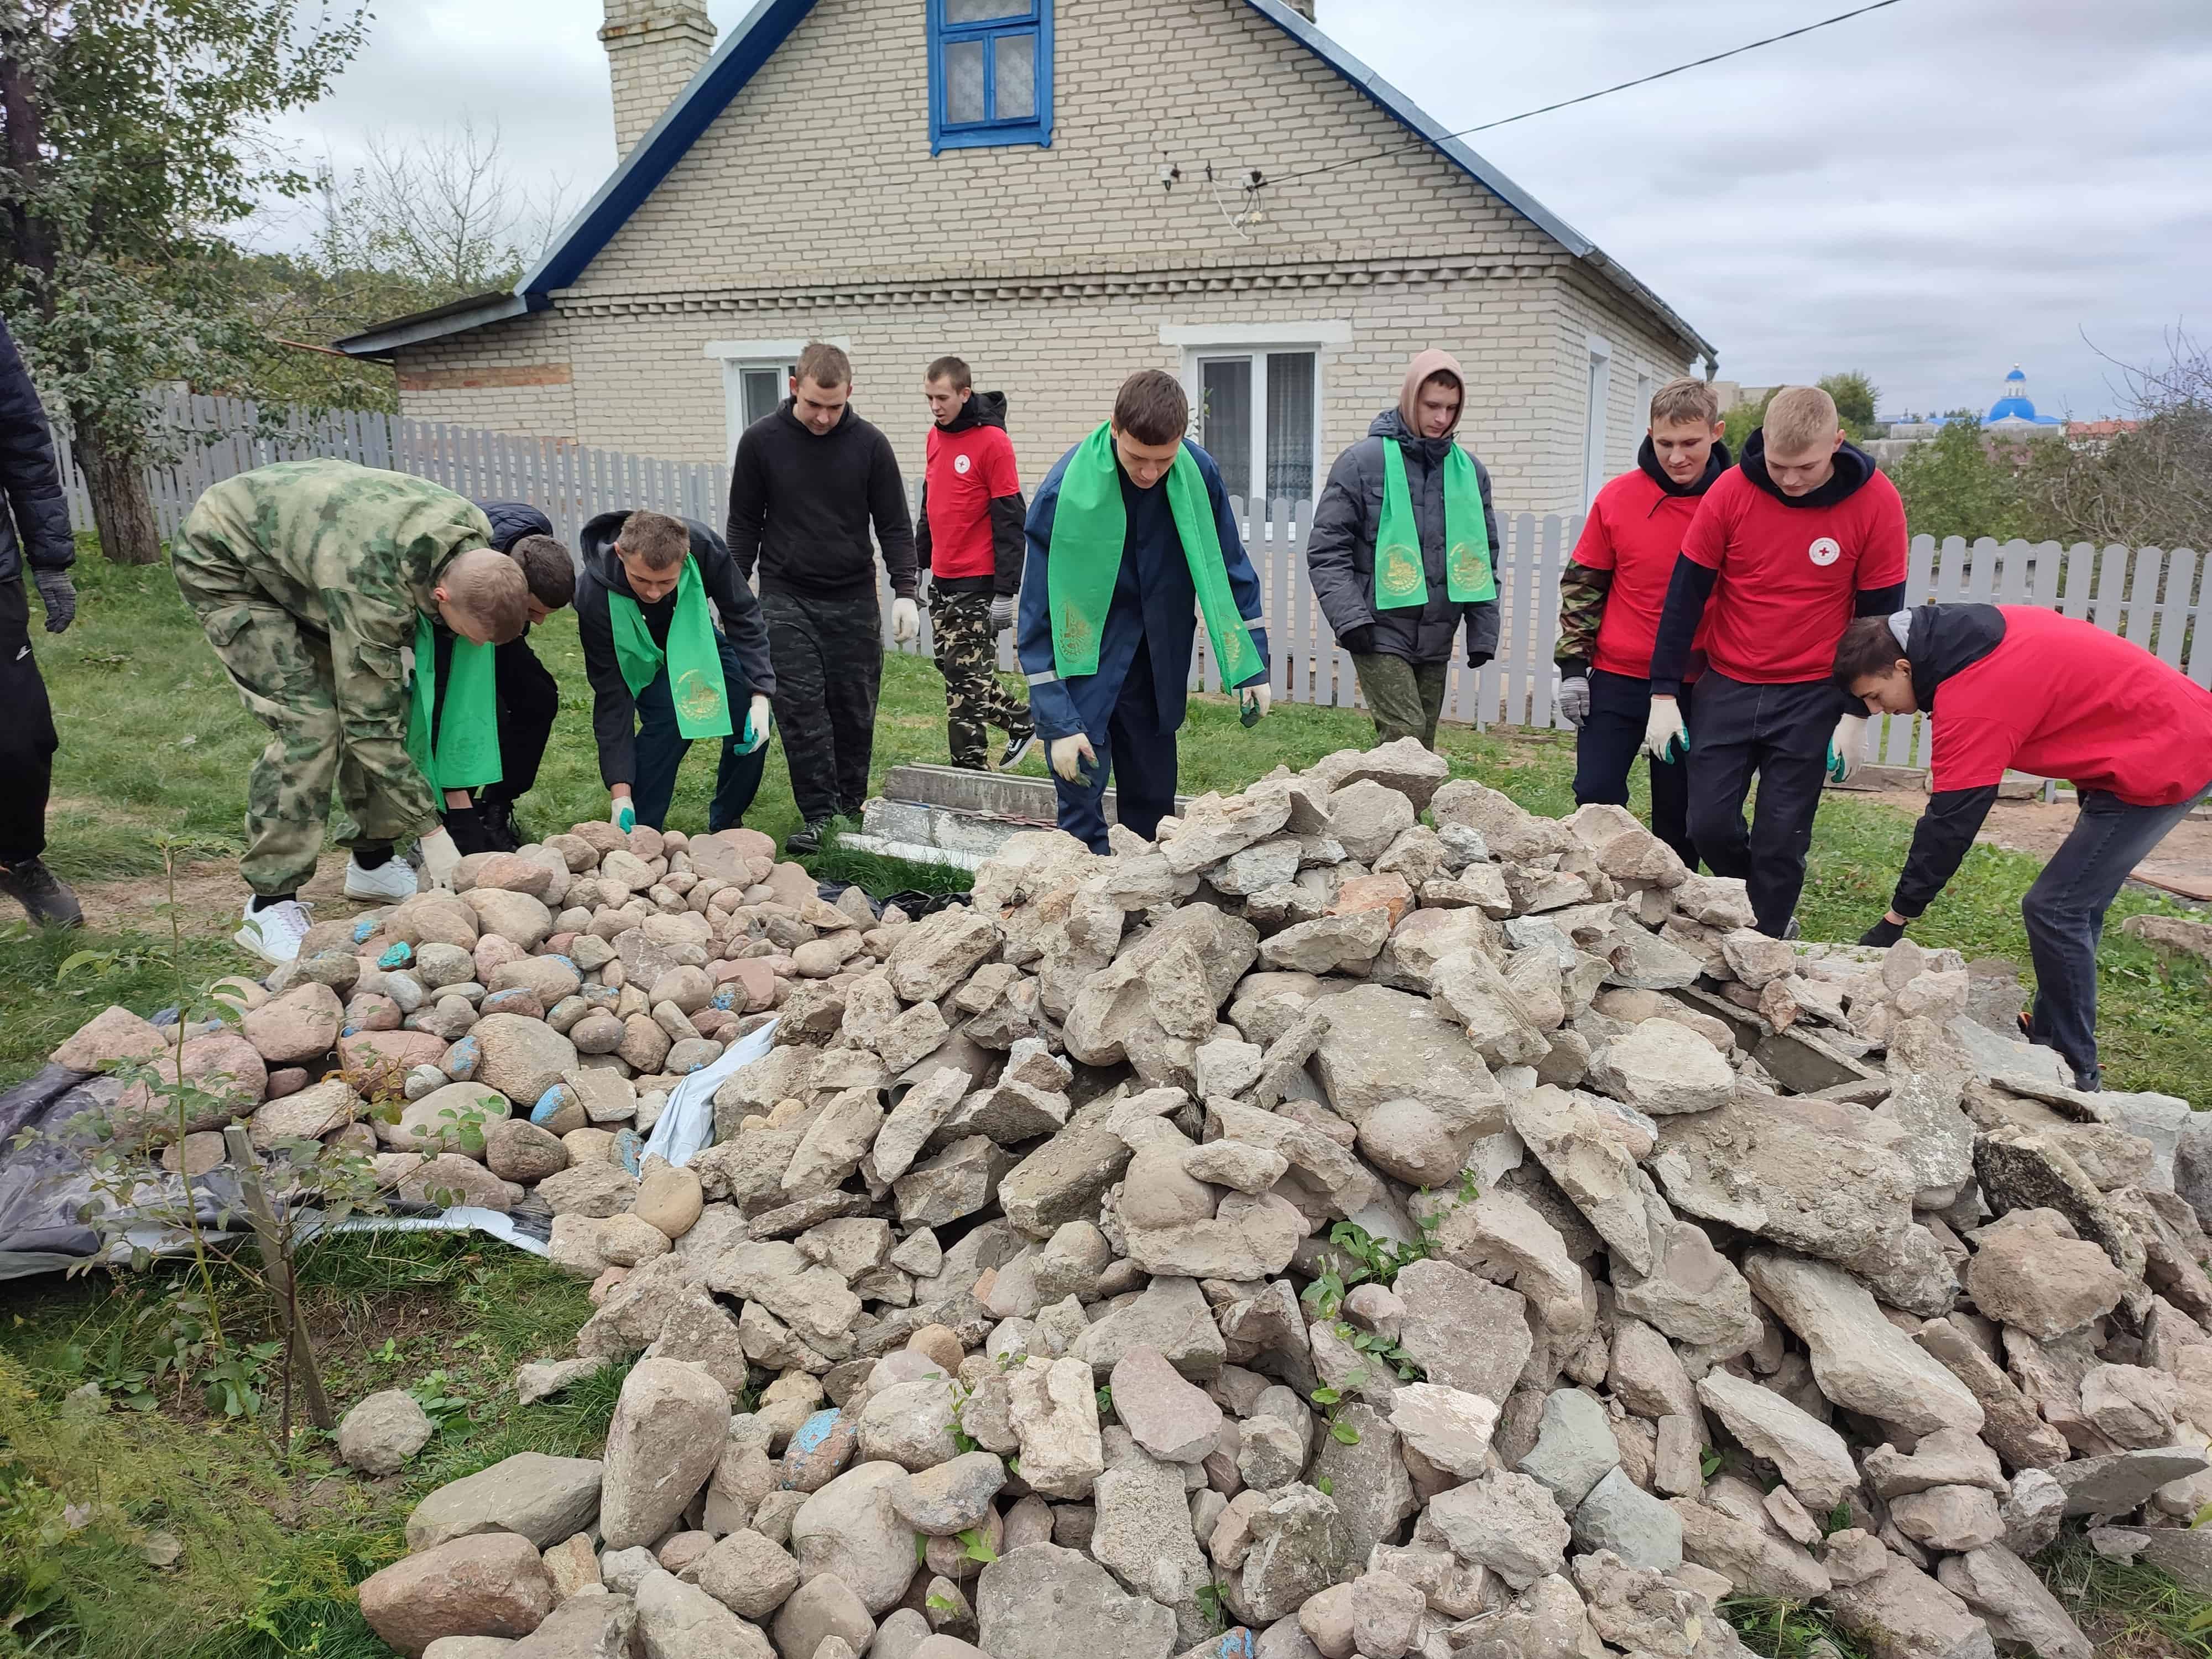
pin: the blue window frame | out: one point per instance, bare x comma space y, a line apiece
990, 73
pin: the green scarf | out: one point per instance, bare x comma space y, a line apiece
460, 751
1400, 579
693, 662
1089, 528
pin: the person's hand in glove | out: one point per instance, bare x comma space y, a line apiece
57, 593
1479, 660
1847, 748
1360, 641
1002, 613
756, 733
1885, 933
1665, 737
623, 815
1573, 700
1257, 700
905, 621
1068, 754
441, 858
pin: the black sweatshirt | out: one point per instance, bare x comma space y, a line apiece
800, 506
1944, 639
614, 711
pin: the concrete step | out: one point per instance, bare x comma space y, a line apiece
950, 809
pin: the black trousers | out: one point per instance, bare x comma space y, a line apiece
1140, 759
829, 660
1780, 734
1606, 749
529, 701
2064, 911
661, 746
27, 739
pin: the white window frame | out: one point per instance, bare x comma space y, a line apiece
1601, 390
1647, 382
737, 356
1203, 342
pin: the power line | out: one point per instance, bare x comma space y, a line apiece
1565, 103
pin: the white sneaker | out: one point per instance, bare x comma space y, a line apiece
390, 882
274, 934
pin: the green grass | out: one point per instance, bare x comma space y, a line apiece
155, 745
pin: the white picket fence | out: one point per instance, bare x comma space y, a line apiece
2150, 596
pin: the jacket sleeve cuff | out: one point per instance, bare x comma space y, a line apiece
1573, 667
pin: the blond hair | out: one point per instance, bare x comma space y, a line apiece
1686, 398
1798, 418
654, 540
489, 590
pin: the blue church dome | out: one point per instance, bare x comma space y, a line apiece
2014, 404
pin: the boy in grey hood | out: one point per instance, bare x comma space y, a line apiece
1401, 653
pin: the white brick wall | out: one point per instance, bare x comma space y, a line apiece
812, 207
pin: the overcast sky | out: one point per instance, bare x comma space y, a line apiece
1930, 193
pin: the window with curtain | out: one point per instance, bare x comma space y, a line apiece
990, 73
1258, 419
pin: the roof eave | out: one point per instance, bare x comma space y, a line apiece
455, 318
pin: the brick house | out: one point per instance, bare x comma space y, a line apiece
1060, 191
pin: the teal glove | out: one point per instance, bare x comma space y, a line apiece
757, 725
1846, 748
624, 816
1665, 739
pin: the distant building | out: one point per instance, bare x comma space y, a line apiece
2014, 415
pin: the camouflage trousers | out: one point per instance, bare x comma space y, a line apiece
966, 648
282, 667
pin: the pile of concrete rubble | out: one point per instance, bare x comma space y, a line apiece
1374, 1219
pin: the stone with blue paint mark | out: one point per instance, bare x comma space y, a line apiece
549, 1104
629, 1147
463, 1059
398, 956
821, 1450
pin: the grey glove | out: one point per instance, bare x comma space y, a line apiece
1002, 613
57, 593
1573, 700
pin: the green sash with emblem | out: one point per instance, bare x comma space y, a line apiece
1399, 580
693, 659
459, 750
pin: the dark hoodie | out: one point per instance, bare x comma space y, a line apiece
800, 506
1007, 512
1340, 552
1942, 640
614, 711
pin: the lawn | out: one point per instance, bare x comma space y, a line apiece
154, 751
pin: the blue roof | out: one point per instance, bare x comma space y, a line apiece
753, 38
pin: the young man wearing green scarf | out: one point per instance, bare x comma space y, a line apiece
663, 672
1402, 552
1130, 542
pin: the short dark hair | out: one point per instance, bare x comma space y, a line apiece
660, 541
825, 365
952, 369
548, 568
1867, 648
1151, 407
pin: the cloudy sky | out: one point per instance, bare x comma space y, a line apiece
1930, 193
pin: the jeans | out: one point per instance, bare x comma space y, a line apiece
1141, 759
1606, 749
1406, 699
828, 659
1780, 733
661, 746
2065, 916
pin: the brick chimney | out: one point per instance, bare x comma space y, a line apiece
653, 48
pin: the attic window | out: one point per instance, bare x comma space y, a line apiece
990, 73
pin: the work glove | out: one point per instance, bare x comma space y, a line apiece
1068, 755
441, 858
1478, 659
1002, 613
57, 593
1360, 641
1573, 700
1257, 700
1847, 748
1883, 935
906, 621
1665, 739
623, 816
756, 733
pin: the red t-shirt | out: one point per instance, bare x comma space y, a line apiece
1635, 530
2060, 698
1790, 576
966, 471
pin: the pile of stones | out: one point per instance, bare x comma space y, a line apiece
1372, 1219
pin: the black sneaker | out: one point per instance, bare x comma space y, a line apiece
807, 839
1018, 744
46, 898
500, 827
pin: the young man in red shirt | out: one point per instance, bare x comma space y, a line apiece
1804, 534
1610, 597
971, 545
2008, 685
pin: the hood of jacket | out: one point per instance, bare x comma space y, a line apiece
1391, 427
849, 421
1647, 460
1425, 365
982, 409
1854, 466
595, 548
1944, 639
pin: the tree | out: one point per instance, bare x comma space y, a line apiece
2150, 486
1740, 422
130, 135
1954, 485
1855, 398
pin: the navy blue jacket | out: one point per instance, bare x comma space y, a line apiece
1155, 606
34, 512
512, 521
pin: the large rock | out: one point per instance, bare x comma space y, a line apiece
852, 1531
110, 1037
666, 1439
493, 1585
1507, 1522
937, 953
1042, 1602
1300, 1547
1142, 1534
545, 1499
1814, 1461
584, 1626
1861, 1362
1464, 1332
1575, 1448
2124, 1481
1171, 1418
1902, 1614
382, 1433
2030, 1270
1055, 1416
1663, 1067
676, 1620
1384, 1045
1170, 1314
522, 1057
1449, 1427
302, 1025
2019, 1607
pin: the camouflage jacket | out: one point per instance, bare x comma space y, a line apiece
356, 554
1583, 594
